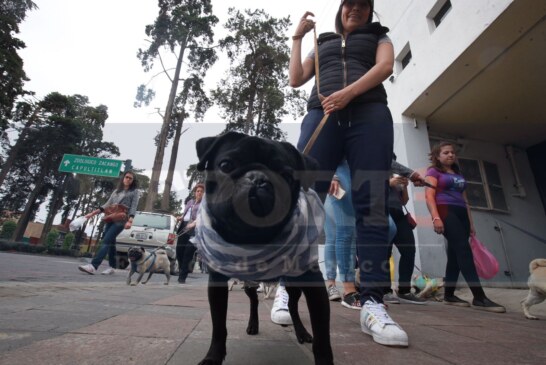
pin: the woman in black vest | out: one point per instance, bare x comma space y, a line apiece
353, 62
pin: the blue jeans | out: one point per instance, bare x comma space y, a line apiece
339, 229
108, 245
362, 134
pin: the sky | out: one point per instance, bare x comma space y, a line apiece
89, 47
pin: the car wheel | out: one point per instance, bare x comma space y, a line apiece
123, 261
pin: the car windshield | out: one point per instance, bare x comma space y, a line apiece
152, 221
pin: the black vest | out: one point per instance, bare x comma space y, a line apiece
341, 66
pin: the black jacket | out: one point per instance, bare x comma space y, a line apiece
344, 61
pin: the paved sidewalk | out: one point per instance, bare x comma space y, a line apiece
107, 322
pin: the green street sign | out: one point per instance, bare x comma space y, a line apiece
90, 165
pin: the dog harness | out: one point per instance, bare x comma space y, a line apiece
293, 252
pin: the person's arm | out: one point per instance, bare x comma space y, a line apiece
384, 63
101, 208
470, 219
414, 176
135, 197
300, 72
430, 197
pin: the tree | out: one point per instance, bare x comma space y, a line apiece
193, 94
66, 124
180, 25
12, 13
255, 95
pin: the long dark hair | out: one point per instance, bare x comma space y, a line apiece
133, 185
339, 23
435, 154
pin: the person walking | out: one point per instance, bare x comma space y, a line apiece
340, 240
404, 239
185, 250
127, 195
448, 206
352, 64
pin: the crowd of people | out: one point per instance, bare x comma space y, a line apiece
363, 188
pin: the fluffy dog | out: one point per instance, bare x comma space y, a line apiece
537, 286
259, 221
143, 262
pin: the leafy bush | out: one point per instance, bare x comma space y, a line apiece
68, 240
52, 238
7, 229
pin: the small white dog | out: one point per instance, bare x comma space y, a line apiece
537, 286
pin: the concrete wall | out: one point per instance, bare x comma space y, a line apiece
515, 237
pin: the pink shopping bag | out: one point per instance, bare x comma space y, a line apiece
486, 264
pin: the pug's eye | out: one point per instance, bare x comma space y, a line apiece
226, 166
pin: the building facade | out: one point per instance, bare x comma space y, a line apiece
474, 72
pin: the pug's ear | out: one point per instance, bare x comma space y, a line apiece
307, 167
206, 147
142, 249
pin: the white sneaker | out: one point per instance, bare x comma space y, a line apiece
109, 271
90, 269
375, 321
279, 311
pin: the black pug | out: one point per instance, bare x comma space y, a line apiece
259, 221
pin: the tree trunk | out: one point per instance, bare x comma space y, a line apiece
56, 203
160, 151
13, 151
25, 217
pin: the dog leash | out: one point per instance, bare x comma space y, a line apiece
317, 131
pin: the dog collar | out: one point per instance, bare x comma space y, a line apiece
291, 253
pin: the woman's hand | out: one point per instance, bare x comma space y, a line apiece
396, 181
128, 224
336, 101
334, 187
438, 226
304, 26
472, 229
191, 225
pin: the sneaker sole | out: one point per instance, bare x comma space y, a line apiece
383, 341
407, 301
334, 298
346, 305
85, 271
490, 309
462, 305
391, 301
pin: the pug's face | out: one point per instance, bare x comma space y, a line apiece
135, 253
252, 184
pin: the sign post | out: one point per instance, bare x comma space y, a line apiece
90, 165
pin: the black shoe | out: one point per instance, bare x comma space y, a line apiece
352, 301
456, 301
181, 281
488, 305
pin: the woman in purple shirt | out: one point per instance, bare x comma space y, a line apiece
447, 204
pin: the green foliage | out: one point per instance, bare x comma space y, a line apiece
68, 240
255, 95
12, 13
52, 238
7, 229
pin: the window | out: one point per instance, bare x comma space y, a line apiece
404, 58
438, 12
484, 188
439, 17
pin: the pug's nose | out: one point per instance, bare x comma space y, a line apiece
261, 195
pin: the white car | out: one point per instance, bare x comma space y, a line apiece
151, 231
